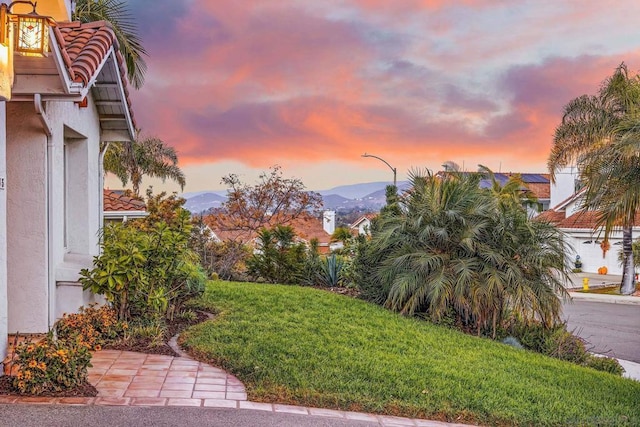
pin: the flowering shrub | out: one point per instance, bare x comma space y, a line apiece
50, 365
92, 327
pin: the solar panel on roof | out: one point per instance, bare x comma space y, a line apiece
534, 178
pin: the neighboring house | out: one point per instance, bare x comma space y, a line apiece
306, 226
119, 208
55, 111
362, 226
580, 227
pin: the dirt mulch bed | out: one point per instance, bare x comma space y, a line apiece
84, 390
173, 327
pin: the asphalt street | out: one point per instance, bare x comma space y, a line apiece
113, 416
610, 329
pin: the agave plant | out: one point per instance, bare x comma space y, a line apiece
331, 271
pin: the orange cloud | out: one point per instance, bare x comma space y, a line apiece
259, 82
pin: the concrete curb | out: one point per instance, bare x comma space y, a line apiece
611, 299
631, 369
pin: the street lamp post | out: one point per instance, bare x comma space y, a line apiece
386, 163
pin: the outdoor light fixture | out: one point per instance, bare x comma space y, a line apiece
32, 30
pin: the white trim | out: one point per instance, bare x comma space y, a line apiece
124, 214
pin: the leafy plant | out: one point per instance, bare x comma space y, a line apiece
605, 364
92, 327
151, 332
451, 244
279, 258
146, 268
50, 365
331, 271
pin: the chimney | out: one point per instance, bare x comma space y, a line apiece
329, 221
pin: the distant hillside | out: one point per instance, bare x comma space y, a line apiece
358, 191
367, 197
203, 201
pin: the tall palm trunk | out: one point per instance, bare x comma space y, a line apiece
628, 285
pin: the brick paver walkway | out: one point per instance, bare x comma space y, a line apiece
128, 378
125, 378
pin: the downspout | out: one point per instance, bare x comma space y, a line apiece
46, 125
101, 181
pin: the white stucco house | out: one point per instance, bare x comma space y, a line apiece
55, 111
580, 227
362, 225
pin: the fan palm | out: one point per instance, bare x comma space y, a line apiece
124, 26
601, 134
147, 157
457, 248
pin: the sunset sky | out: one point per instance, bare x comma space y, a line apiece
237, 86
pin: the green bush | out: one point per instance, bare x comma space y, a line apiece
563, 345
606, 364
448, 243
279, 258
50, 365
330, 273
92, 326
147, 268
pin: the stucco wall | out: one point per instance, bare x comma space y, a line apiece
31, 284
27, 287
564, 185
3, 235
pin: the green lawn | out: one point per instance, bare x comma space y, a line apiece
309, 347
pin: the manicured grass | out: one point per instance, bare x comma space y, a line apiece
310, 347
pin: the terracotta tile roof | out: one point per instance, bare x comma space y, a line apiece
369, 216
306, 226
540, 190
588, 220
554, 217
114, 202
84, 46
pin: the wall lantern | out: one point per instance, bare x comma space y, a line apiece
32, 30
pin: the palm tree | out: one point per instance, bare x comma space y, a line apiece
457, 249
600, 133
124, 26
147, 157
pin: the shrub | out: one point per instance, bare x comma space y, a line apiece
330, 273
50, 365
447, 242
606, 364
92, 327
147, 268
563, 345
512, 341
147, 332
279, 259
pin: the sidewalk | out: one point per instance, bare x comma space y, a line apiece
596, 281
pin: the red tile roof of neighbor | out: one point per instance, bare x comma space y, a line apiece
114, 202
306, 226
540, 190
84, 46
551, 216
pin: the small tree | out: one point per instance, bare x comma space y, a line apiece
274, 200
279, 259
146, 267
